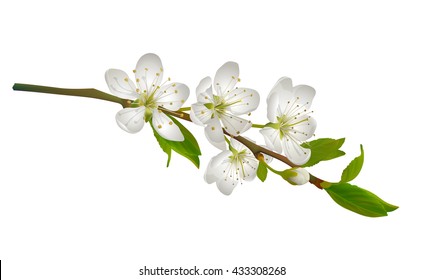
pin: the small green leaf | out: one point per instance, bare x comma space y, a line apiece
354, 168
262, 171
359, 200
164, 145
323, 149
188, 148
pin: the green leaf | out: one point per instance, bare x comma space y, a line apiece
188, 148
359, 200
164, 145
354, 168
323, 149
262, 171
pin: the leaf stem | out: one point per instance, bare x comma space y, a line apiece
94, 93
258, 125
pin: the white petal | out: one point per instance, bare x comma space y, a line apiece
165, 127
216, 166
149, 72
305, 94
235, 125
244, 100
250, 164
304, 130
120, 85
200, 114
214, 134
280, 93
227, 185
294, 152
204, 90
131, 119
272, 138
226, 77
172, 96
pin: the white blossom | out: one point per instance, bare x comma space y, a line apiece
231, 167
148, 94
290, 123
220, 105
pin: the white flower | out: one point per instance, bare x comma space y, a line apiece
230, 167
296, 176
290, 123
148, 94
222, 106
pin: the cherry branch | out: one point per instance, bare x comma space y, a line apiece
257, 150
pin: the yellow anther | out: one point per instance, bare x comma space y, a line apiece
126, 79
157, 74
159, 126
170, 123
135, 71
213, 128
146, 69
138, 80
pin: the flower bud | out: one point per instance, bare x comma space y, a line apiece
296, 176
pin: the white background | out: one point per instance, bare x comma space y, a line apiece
82, 199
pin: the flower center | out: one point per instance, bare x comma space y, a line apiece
219, 105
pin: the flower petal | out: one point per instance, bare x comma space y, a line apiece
214, 171
272, 138
165, 127
172, 96
244, 100
305, 94
204, 90
214, 134
131, 119
226, 77
305, 129
120, 85
282, 90
149, 72
294, 152
227, 185
249, 171
235, 125
200, 114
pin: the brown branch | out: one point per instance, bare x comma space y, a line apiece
93, 93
